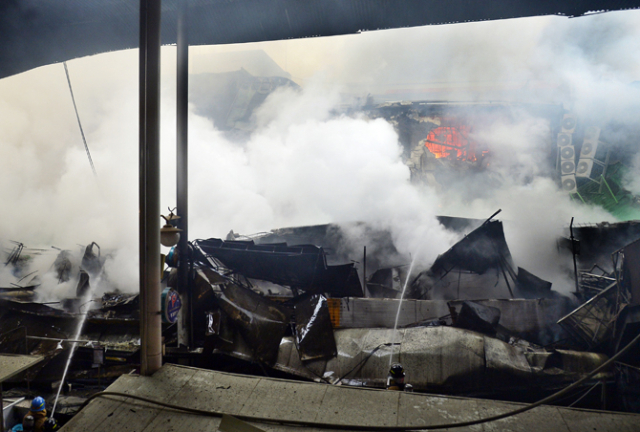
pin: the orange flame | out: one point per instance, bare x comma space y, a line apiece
451, 141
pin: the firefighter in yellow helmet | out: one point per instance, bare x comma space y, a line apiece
395, 380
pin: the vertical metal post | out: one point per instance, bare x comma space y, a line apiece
573, 252
149, 184
364, 273
1, 405
185, 320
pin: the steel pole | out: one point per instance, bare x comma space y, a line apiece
364, 273
185, 320
573, 252
149, 184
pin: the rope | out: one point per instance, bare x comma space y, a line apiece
86, 147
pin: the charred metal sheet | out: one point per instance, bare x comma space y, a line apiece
22, 294
628, 386
477, 317
478, 266
117, 305
532, 320
314, 333
31, 308
387, 282
92, 263
83, 285
531, 286
631, 270
302, 266
115, 299
217, 324
440, 358
482, 249
599, 241
261, 322
506, 359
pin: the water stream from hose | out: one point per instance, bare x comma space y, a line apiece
84, 304
395, 326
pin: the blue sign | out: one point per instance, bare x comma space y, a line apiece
171, 305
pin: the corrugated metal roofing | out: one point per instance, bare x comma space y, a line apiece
12, 364
35, 32
294, 400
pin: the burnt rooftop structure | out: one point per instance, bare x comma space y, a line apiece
300, 266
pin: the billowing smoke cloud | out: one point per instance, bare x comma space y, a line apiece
52, 197
586, 65
304, 165
633, 180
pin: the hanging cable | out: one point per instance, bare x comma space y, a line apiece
586, 393
86, 147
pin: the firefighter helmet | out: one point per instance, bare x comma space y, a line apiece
396, 370
37, 404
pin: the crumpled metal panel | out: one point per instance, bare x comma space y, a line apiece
505, 358
377, 356
261, 321
314, 333
442, 356
300, 266
576, 363
439, 358
532, 285
482, 249
478, 317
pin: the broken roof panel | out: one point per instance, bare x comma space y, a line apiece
261, 321
301, 266
482, 249
440, 358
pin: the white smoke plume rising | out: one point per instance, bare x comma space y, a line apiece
304, 165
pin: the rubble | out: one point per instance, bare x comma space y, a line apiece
301, 267
484, 259
473, 324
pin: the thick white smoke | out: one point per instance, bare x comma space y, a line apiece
304, 165
633, 181
52, 196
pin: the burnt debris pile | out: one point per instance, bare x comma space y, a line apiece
292, 303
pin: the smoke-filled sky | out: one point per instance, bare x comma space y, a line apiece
304, 165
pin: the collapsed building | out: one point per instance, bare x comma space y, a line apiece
474, 323
322, 327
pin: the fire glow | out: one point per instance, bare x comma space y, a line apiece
452, 142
